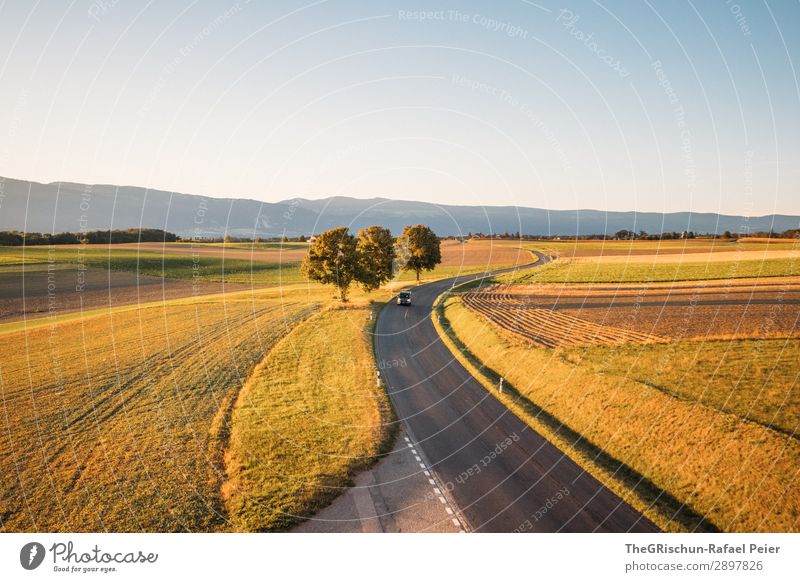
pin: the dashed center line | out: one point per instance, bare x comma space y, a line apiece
436, 490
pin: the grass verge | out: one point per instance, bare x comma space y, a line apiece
638, 271
307, 420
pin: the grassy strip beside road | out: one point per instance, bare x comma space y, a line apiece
673, 459
310, 416
638, 270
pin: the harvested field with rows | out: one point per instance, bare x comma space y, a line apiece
118, 421
546, 327
728, 309
36, 291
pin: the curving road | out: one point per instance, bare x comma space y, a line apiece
501, 475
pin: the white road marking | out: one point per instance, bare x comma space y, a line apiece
436, 490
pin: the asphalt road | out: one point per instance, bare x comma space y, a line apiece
501, 475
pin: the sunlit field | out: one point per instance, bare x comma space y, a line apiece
672, 380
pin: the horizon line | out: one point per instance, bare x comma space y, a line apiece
383, 198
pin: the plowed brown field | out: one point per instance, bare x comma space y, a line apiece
546, 327
743, 308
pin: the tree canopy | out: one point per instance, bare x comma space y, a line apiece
375, 248
333, 260
419, 248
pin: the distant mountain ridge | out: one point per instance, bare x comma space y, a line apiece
65, 206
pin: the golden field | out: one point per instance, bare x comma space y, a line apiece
308, 418
117, 421
686, 464
698, 433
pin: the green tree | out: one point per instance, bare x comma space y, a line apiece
375, 246
420, 249
624, 234
333, 260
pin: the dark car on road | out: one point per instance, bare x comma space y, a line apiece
404, 298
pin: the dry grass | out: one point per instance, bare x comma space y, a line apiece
484, 253
739, 254
638, 248
117, 421
308, 418
474, 256
672, 458
753, 379
654, 269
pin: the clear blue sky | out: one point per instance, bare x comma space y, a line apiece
663, 106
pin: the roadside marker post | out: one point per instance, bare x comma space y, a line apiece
378, 377
501, 385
